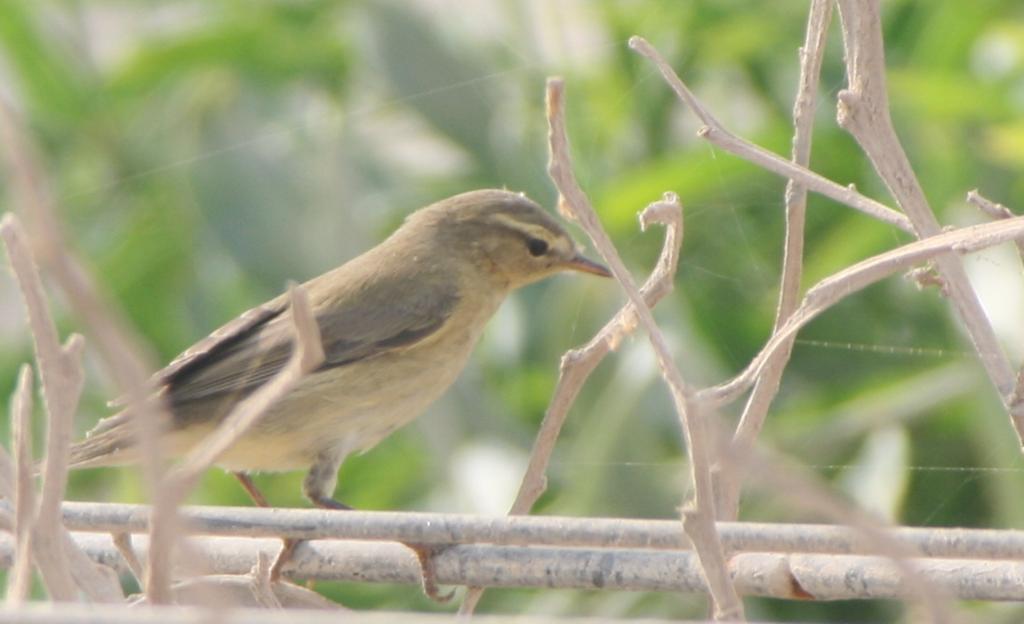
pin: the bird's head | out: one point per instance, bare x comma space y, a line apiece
503, 235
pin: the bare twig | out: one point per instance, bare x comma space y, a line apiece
698, 518
854, 278
123, 542
60, 369
789, 575
989, 207
123, 352
994, 210
259, 579
1017, 397
1015, 403
216, 591
767, 386
864, 112
61, 373
96, 581
806, 490
718, 135
20, 579
64, 570
443, 529
578, 364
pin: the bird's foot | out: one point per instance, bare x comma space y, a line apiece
326, 502
425, 554
289, 545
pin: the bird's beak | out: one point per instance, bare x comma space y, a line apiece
581, 263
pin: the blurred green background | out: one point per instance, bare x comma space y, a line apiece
203, 153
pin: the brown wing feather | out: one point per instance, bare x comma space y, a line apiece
367, 322
223, 334
226, 333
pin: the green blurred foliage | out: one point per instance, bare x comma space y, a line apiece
203, 153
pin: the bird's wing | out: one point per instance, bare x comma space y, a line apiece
362, 321
230, 331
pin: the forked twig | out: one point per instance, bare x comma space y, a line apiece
577, 364
836, 287
698, 516
61, 373
864, 112
260, 583
123, 353
755, 411
717, 134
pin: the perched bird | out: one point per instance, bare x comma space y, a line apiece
397, 324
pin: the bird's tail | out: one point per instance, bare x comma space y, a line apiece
110, 443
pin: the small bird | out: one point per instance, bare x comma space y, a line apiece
397, 324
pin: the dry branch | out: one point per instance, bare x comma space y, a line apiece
864, 112
805, 490
780, 575
20, 578
577, 364
834, 288
866, 70
64, 571
448, 529
60, 371
698, 516
43, 614
862, 64
1015, 403
755, 411
123, 353
717, 134
994, 210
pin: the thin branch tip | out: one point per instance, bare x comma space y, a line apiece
638, 43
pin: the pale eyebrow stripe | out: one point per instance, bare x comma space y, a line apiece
527, 229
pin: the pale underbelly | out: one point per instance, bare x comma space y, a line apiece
348, 410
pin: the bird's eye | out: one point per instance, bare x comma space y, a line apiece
537, 247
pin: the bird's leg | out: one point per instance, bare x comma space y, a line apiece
250, 488
319, 486
288, 544
322, 479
